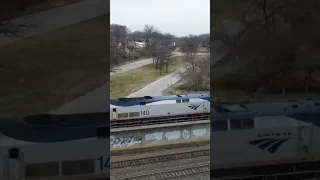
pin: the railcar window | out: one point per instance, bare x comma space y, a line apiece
185, 100
160, 120
123, 115
235, 124
178, 101
142, 103
134, 114
37, 170
85, 166
219, 125
114, 110
242, 124
295, 106
248, 124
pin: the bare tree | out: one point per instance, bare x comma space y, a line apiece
154, 46
164, 58
160, 58
168, 56
161, 50
149, 33
267, 40
113, 52
196, 70
152, 51
167, 45
167, 39
136, 35
204, 40
118, 38
133, 45
197, 74
189, 48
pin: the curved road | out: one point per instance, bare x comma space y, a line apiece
131, 66
137, 64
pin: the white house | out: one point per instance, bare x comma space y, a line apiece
137, 44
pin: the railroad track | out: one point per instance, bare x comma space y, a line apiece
156, 159
171, 174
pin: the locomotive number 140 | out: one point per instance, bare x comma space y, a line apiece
143, 113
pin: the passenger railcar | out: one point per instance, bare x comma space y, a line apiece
248, 136
162, 109
55, 147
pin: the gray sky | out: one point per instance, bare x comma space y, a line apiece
178, 17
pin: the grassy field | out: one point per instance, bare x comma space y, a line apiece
40, 73
128, 82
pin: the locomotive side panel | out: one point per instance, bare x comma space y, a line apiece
69, 150
165, 109
2, 163
89, 156
315, 142
176, 109
257, 146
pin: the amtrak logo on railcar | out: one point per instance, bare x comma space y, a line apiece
271, 142
194, 106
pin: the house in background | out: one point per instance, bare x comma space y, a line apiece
137, 44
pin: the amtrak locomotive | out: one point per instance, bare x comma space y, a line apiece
149, 110
49, 147
242, 137
255, 139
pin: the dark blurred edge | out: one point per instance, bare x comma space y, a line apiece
108, 81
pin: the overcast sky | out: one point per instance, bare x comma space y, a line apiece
178, 17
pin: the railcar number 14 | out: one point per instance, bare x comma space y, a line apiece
144, 113
104, 162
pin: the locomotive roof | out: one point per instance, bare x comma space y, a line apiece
306, 111
267, 107
150, 99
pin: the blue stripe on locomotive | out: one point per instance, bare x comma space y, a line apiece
306, 113
69, 130
159, 98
